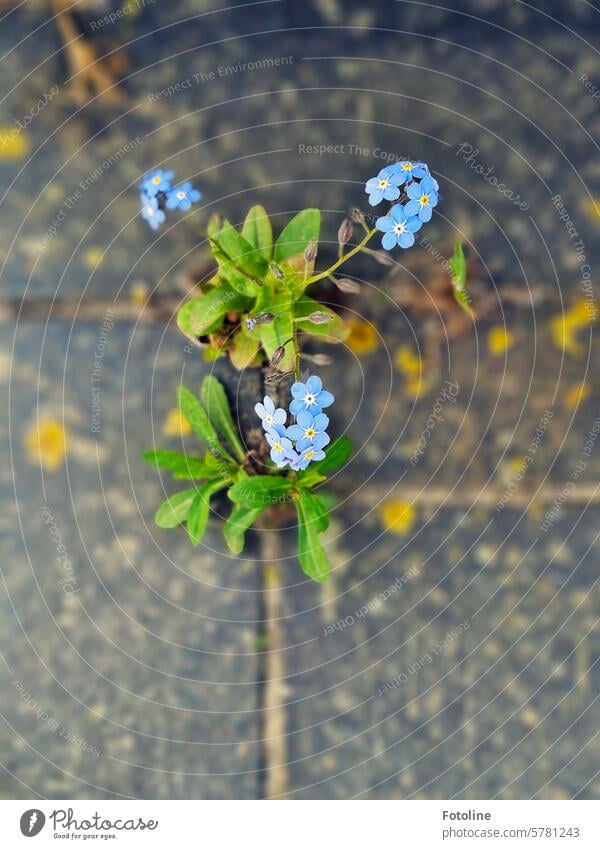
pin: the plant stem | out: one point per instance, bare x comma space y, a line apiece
342, 259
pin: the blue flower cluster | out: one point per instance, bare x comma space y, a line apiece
157, 193
404, 219
309, 431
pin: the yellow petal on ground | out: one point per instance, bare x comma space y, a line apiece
46, 443
564, 327
593, 209
398, 516
176, 423
13, 143
93, 257
407, 361
576, 394
415, 386
139, 295
363, 336
499, 340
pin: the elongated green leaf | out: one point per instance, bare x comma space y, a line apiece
261, 490
240, 519
175, 509
202, 314
197, 518
336, 455
258, 232
244, 349
182, 464
217, 406
241, 252
333, 330
279, 331
312, 558
316, 511
295, 236
199, 421
458, 264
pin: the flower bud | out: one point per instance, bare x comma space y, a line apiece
347, 285
319, 318
310, 252
382, 258
278, 355
318, 359
276, 271
265, 318
357, 216
345, 231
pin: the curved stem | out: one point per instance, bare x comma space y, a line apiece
342, 259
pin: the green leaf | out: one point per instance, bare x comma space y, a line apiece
175, 509
310, 551
336, 455
458, 264
198, 316
197, 518
199, 421
243, 350
334, 330
241, 252
235, 527
295, 236
316, 510
261, 490
258, 232
183, 465
217, 406
280, 330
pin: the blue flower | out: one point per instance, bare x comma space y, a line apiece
398, 227
309, 431
310, 396
384, 186
311, 455
157, 181
423, 197
282, 449
151, 212
272, 419
409, 170
182, 197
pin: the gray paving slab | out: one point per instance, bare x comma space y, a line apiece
130, 665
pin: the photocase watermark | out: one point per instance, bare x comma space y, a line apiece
71, 201
579, 248
69, 581
550, 516
132, 7
594, 90
526, 461
424, 660
469, 155
220, 72
448, 394
96, 374
372, 605
22, 123
53, 724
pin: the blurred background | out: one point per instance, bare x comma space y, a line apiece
454, 652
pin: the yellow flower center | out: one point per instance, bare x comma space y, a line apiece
156, 180
407, 166
310, 432
309, 455
424, 200
278, 447
383, 183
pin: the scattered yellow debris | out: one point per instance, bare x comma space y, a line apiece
398, 516
363, 336
176, 423
93, 257
565, 326
499, 340
576, 394
13, 143
407, 361
138, 295
593, 208
46, 443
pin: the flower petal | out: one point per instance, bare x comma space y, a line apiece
414, 191
412, 208
391, 193
321, 440
295, 432
398, 213
314, 384
413, 224
298, 390
389, 241
427, 185
426, 213
320, 422
269, 405
371, 185
279, 416
375, 197
305, 419
406, 240
297, 406
260, 410
385, 223
324, 399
